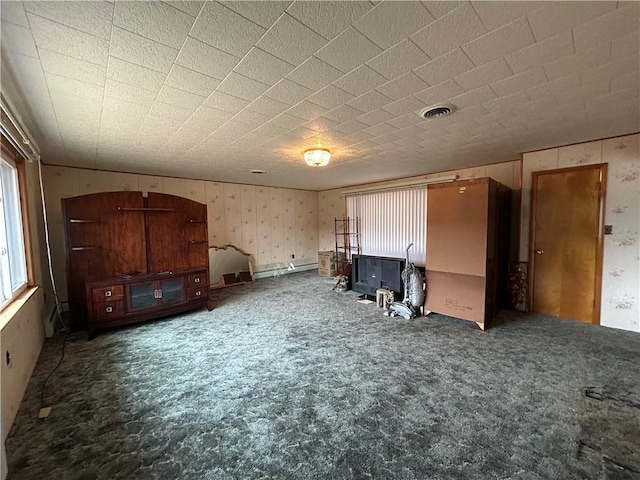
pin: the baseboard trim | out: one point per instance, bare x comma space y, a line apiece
50, 322
276, 272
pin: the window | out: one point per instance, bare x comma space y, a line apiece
390, 220
13, 263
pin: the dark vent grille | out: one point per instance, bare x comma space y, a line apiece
435, 112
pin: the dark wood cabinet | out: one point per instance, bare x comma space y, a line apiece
187, 245
132, 258
106, 302
120, 301
467, 249
102, 242
142, 296
159, 293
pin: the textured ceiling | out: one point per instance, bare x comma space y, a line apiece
211, 90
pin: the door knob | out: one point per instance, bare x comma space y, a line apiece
539, 252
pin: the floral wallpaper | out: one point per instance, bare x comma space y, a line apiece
621, 262
331, 205
270, 223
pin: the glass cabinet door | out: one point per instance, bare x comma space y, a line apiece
142, 295
172, 291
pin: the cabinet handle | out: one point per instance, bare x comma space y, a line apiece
159, 293
108, 309
155, 294
198, 293
107, 293
197, 280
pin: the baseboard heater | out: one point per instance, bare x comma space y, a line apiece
274, 272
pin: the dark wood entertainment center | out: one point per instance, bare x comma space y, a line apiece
132, 258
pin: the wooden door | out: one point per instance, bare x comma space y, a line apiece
566, 242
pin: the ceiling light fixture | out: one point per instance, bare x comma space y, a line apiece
317, 157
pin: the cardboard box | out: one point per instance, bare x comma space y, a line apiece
327, 263
325, 272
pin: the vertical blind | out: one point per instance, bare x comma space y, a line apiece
390, 221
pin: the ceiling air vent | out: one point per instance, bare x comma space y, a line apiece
436, 111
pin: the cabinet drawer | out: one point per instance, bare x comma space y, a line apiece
108, 309
106, 294
197, 293
197, 279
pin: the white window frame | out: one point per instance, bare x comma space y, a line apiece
14, 273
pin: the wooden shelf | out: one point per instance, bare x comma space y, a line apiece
347, 238
145, 209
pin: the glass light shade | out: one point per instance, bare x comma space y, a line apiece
317, 157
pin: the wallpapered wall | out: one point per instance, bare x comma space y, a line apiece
332, 204
270, 223
273, 223
22, 332
621, 263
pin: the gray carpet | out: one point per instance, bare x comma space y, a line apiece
287, 379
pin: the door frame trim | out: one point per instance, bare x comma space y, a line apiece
602, 168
